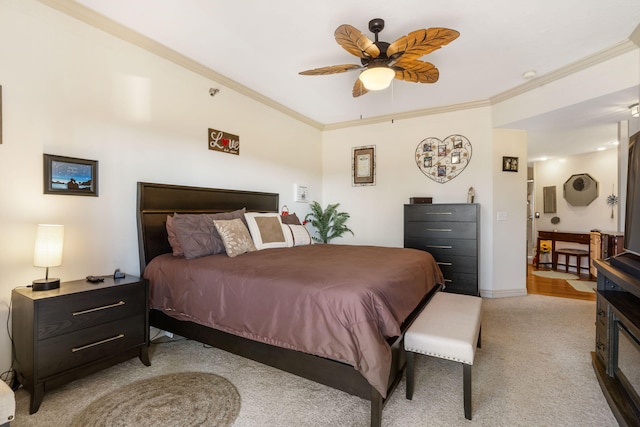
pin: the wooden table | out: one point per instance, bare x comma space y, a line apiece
560, 236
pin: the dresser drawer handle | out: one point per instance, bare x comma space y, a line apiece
444, 263
439, 246
439, 229
448, 280
104, 307
439, 213
84, 347
601, 312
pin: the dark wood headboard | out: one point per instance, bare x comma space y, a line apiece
156, 201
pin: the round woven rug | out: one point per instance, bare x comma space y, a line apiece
180, 399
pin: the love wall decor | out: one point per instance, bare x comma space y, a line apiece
443, 160
224, 142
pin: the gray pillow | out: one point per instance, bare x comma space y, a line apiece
197, 234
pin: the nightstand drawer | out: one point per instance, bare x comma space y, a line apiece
67, 351
73, 312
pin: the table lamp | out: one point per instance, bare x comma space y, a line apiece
48, 253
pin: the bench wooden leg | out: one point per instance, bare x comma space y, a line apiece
466, 379
411, 357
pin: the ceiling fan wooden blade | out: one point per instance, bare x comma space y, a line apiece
421, 42
358, 88
356, 43
416, 71
333, 69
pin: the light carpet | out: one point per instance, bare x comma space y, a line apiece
583, 285
554, 275
534, 369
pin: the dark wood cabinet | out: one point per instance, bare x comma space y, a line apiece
63, 334
616, 359
612, 244
450, 232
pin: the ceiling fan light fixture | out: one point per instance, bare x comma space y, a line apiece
377, 78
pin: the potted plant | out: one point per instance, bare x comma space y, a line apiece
329, 223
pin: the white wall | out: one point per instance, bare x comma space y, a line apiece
509, 217
603, 167
71, 90
377, 211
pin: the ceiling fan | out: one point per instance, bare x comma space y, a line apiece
382, 62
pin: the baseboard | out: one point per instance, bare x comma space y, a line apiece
502, 293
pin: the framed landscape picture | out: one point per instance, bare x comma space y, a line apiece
68, 175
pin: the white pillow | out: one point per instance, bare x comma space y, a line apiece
299, 234
267, 230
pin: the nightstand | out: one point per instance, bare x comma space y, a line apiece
63, 334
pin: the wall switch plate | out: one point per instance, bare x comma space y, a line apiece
502, 216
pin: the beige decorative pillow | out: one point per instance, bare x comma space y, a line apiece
267, 230
235, 236
300, 235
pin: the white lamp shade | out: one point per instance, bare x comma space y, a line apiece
48, 248
377, 78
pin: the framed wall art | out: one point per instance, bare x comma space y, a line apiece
443, 160
363, 165
509, 164
68, 175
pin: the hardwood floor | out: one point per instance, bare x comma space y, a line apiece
556, 287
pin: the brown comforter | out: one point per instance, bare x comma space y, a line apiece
334, 301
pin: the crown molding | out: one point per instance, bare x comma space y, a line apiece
408, 115
88, 16
635, 36
583, 64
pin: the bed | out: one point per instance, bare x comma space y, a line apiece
250, 298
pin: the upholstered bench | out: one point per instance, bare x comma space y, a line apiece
7, 404
448, 328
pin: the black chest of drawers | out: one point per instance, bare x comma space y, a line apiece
450, 232
63, 334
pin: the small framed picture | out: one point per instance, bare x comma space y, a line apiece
442, 150
68, 175
455, 157
442, 171
363, 165
509, 164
